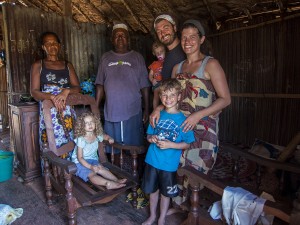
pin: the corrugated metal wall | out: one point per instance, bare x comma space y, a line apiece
82, 44
259, 61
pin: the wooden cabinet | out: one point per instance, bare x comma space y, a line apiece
25, 138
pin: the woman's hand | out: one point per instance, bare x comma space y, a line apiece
190, 122
154, 116
60, 99
58, 103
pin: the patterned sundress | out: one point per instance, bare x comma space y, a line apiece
53, 81
197, 94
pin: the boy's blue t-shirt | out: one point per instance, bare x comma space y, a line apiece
168, 128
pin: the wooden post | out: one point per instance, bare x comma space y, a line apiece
67, 11
290, 148
48, 185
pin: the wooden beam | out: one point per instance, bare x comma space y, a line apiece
275, 11
67, 8
257, 25
81, 12
58, 6
171, 7
265, 95
280, 5
117, 14
142, 26
43, 6
100, 12
24, 3
210, 12
247, 12
146, 5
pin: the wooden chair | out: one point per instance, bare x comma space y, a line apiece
196, 178
270, 165
60, 173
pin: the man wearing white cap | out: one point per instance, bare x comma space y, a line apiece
123, 78
166, 31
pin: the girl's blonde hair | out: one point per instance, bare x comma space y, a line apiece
79, 130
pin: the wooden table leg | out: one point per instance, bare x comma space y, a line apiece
193, 216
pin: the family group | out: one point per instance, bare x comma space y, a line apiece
189, 92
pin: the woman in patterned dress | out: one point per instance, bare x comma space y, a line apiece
54, 79
205, 93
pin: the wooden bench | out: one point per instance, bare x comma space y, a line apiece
199, 216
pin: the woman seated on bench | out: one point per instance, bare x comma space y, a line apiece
88, 132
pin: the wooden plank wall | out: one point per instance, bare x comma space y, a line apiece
259, 61
3, 96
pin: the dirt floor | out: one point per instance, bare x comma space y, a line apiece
31, 198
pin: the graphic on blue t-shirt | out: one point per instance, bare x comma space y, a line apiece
167, 129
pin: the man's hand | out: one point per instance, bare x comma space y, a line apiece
145, 116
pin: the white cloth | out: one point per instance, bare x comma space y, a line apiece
8, 214
266, 219
215, 210
241, 207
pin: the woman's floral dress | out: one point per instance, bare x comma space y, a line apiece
53, 81
198, 93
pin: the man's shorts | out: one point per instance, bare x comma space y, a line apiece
165, 181
84, 172
133, 131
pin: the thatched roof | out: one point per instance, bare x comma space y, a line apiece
139, 14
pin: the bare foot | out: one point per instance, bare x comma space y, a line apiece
161, 221
114, 185
122, 181
149, 221
173, 211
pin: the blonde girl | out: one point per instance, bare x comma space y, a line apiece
88, 133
